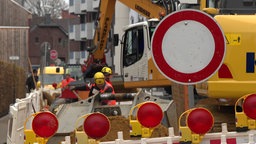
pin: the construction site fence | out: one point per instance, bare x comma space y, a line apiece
31, 104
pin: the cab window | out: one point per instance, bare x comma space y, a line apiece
133, 47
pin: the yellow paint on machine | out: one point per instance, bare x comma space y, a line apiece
233, 39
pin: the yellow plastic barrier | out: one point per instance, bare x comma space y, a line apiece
37, 135
187, 135
245, 118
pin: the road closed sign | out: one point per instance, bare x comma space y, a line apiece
53, 54
188, 46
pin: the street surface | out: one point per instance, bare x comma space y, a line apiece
3, 127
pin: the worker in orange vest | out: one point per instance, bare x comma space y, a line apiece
66, 81
107, 73
66, 95
100, 86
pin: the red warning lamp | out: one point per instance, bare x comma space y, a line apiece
249, 106
54, 85
45, 124
150, 114
200, 121
96, 125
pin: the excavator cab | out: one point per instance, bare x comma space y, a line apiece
137, 64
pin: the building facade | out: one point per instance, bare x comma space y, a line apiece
51, 35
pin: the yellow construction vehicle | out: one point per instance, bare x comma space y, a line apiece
236, 77
50, 76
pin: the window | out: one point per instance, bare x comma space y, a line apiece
133, 46
71, 28
71, 2
83, 27
83, 54
60, 40
36, 39
71, 55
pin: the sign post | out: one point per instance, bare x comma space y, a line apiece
14, 58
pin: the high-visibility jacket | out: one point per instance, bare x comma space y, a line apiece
108, 88
65, 82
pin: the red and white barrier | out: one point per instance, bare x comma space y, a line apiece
223, 137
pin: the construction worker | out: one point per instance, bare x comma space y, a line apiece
107, 73
66, 95
66, 81
31, 81
99, 86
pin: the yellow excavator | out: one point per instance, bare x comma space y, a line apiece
236, 77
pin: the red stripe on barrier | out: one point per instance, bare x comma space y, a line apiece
218, 141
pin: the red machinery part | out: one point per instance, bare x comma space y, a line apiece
45, 124
96, 125
249, 106
150, 115
200, 120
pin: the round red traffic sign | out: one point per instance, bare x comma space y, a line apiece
188, 46
53, 54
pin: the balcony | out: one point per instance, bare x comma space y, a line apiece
74, 33
87, 31
95, 4
86, 6
74, 6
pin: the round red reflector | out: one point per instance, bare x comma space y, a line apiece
45, 124
200, 120
249, 106
54, 85
96, 125
150, 114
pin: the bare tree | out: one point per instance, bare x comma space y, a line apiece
43, 7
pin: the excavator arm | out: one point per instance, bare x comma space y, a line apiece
146, 8
106, 12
